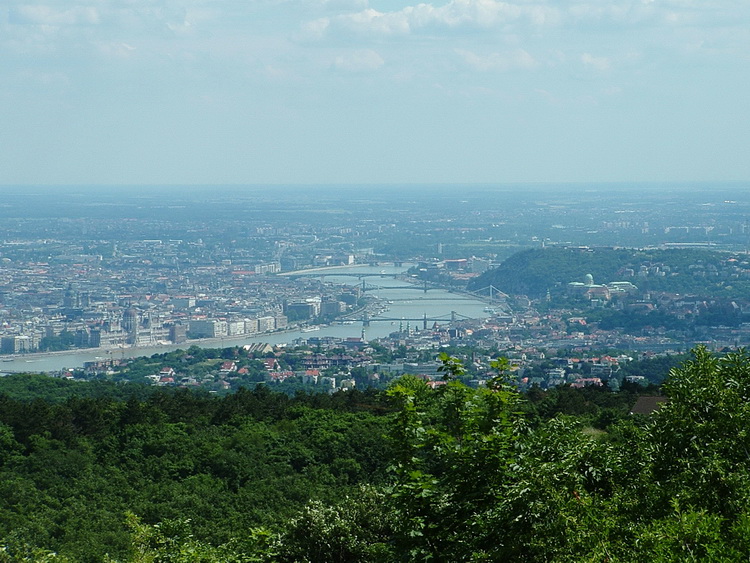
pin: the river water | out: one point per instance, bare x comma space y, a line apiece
403, 302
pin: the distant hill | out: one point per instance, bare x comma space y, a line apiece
533, 272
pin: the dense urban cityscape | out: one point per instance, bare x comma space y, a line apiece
91, 270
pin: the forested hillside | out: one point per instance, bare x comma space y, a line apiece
71, 469
412, 474
534, 272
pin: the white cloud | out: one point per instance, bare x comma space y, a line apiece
110, 16
314, 30
359, 61
454, 14
343, 4
497, 61
599, 11
376, 22
95, 27
52, 16
116, 50
598, 63
520, 14
673, 13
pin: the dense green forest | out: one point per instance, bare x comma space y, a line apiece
534, 272
72, 467
131, 473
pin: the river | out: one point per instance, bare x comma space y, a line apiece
403, 302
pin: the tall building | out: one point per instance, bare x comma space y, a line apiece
208, 328
130, 319
178, 333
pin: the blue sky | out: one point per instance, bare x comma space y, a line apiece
373, 91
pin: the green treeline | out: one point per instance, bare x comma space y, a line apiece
414, 473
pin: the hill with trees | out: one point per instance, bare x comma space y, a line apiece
416, 473
534, 272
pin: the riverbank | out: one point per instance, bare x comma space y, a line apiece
406, 302
104, 352
324, 269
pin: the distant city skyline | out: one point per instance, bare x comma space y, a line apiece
373, 92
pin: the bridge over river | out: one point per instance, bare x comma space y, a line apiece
366, 319
488, 294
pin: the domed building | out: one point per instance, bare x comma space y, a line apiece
589, 289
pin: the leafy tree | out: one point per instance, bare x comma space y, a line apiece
172, 541
453, 451
358, 528
701, 445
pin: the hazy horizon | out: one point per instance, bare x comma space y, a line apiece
558, 187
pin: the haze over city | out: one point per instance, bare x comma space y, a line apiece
358, 91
